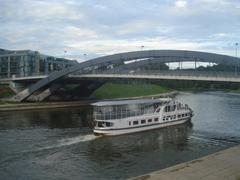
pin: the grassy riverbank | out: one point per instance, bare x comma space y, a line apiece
117, 90
139, 89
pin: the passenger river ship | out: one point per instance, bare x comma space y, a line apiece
130, 116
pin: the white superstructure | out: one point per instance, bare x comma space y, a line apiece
129, 116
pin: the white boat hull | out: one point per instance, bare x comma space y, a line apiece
120, 131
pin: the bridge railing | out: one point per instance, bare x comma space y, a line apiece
168, 73
141, 72
13, 76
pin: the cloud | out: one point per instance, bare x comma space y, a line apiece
115, 46
181, 4
71, 32
110, 26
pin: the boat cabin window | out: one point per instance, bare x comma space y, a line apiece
143, 121
170, 108
135, 122
149, 120
167, 108
174, 107
111, 112
104, 124
155, 119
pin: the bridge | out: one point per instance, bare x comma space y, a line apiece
191, 76
125, 66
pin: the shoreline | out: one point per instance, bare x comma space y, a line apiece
68, 104
45, 105
224, 164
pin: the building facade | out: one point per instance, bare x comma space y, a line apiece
29, 63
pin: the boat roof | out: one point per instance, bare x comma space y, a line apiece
128, 102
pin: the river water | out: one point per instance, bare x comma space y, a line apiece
58, 144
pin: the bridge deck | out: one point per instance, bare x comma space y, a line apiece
149, 76
160, 76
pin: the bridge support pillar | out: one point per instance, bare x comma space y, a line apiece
17, 87
44, 94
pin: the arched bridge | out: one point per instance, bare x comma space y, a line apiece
118, 61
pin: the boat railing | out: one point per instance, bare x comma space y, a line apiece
182, 108
120, 115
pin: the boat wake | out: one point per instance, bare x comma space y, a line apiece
71, 141
59, 144
78, 139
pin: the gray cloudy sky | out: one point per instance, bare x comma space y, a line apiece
100, 27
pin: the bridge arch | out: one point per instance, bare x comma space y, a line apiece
170, 56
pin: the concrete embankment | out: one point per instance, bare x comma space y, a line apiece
223, 165
66, 104
45, 105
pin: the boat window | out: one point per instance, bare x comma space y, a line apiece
170, 108
149, 120
174, 107
186, 114
135, 122
167, 108
123, 111
155, 119
129, 123
104, 124
179, 116
143, 121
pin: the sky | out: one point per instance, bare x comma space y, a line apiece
84, 29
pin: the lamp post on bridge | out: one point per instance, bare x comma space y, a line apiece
64, 54
85, 56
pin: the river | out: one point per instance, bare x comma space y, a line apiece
59, 144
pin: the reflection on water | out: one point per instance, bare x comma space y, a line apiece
140, 142
60, 118
215, 112
59, 144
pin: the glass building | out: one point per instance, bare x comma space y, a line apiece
29, 63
